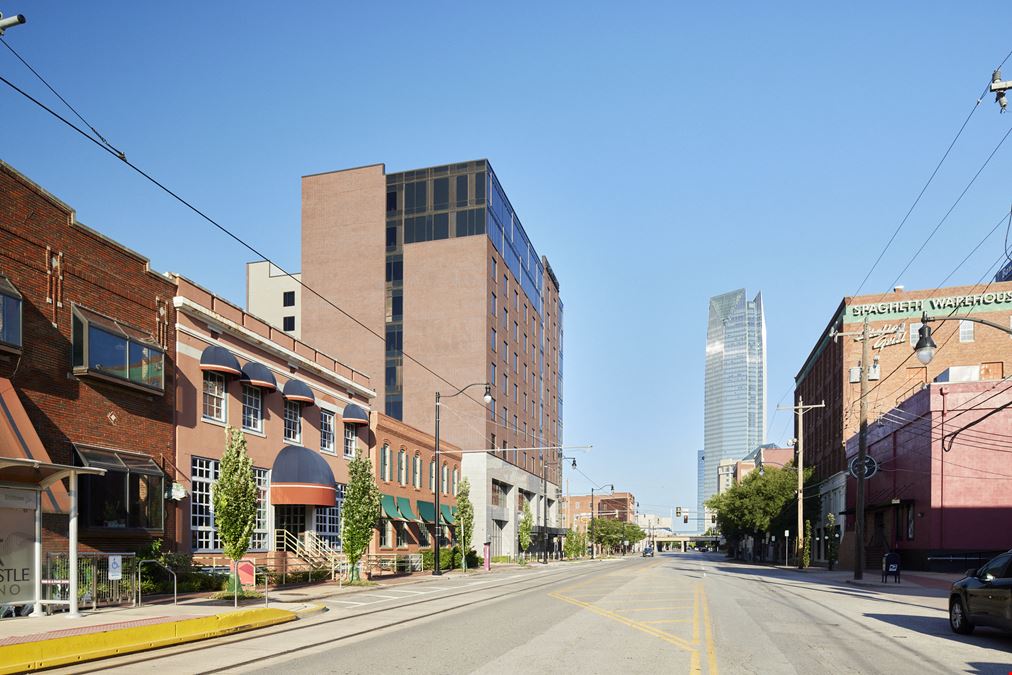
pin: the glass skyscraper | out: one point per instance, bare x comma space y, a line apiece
734, 405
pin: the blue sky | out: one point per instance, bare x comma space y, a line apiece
657, 153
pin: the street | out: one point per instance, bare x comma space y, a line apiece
690, 612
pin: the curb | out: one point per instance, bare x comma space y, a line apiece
63, 651
313, 609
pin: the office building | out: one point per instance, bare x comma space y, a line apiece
274, 296
734, 403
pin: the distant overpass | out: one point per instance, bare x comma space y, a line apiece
679, 542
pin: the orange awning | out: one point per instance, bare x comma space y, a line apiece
19, 440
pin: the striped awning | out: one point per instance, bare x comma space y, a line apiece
354, 414
217, 359
258, 375
297, 390
302, 476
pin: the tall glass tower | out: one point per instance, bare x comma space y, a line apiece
735, 390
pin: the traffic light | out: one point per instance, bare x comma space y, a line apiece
686, 520
678, 511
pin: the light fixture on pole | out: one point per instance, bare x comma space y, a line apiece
544, 505
926, 347
436, 486
10, 22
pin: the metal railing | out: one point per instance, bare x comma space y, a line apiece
94, 585
165, 567
394, 562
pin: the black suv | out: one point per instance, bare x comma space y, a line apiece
983, 597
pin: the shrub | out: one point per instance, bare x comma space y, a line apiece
448, 557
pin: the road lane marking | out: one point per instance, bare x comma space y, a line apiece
667, 637
349, 602
650, 623
649, 609
711, 656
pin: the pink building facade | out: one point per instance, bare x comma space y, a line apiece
940, 508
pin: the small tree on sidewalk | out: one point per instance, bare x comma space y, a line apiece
465, 518
234, 496
526, 526
360, 512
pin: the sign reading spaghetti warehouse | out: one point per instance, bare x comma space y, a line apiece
994, 301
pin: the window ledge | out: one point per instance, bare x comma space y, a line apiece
211, 420
87, 373
10, 349
251, 432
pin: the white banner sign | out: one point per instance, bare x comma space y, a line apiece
17, 536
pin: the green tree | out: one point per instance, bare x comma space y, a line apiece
526, 526
465, 517
572, 547
607, 533
360, 511
806, 555
234, 496
633, 533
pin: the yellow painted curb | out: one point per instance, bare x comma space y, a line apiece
64, 651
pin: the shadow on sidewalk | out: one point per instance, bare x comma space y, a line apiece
938, 626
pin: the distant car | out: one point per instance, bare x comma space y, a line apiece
983, 597
648, 551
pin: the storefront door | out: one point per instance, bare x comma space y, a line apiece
291, 518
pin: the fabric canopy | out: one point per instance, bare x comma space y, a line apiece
218, 359
354, 414
301, 476
404, 506
447, 515
297, 390
258, 375
427, 510
389, 508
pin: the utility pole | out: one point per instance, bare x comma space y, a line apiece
799, 444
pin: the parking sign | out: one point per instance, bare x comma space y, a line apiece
115, 567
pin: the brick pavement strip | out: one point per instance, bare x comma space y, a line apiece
130, 636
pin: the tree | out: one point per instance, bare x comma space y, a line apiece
760, 503
607, 533
526, 525
465, 516
633, 533
234, 496
575, 545
360, 512
806, 555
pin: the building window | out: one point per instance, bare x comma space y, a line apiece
494, 341
492, 444
327, 520
416, 471
491, 409
214, 396
456, 481
491, 304
444, 479
288, 324
327, 432
402, 467
10, 314
293, 421
107, 348
204, 535
505, 384
386, 534
402, 535
516, 363
130, 494
966, 331
260, 538
350, 440
288, 299
423, 535
432, 476
492, 372
385, 462
915, 327
252, 409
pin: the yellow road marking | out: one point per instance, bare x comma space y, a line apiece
649, 609
666, 621
711, 656
667, 637
695, 616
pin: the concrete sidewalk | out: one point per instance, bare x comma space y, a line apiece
33, 643
936, 581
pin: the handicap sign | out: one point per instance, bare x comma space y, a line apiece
115, 567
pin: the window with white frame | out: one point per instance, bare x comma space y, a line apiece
252, 409
293, 421
915, 334
432, 476
402, 534
416, 471
385, 462
402, 467
214, 397
350, 440
965, 331
456, 481
259, 540
203, 534
327, 432
444, 479
386, 533
327, 520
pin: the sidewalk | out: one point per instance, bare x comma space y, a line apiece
935, 581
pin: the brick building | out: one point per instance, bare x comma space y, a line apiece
610, 505
831, 372
88, 347
939, 507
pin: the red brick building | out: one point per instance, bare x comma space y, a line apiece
86, 342
937, 505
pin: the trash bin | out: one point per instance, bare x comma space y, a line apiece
891, 566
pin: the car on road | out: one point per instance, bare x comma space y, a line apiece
983, 597
648, 551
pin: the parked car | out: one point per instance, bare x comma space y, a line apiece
983, 597
648, 551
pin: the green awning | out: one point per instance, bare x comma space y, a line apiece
427, 510
389, 508
447, 515
404, 506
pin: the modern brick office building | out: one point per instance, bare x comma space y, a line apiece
436, 265
831, 372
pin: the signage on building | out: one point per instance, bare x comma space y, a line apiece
115, 567
886, 336
17, 538
1005, 273
870, 467
994, 301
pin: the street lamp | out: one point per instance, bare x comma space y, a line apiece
10, 22
436, 487
544, 505
607, 485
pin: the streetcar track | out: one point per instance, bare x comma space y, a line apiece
147, 656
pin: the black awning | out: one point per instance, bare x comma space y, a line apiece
258, 375
297, 390
217, 359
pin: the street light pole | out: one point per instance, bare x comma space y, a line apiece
437, 479
799, 443
544, 506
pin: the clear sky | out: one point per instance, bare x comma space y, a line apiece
657, 153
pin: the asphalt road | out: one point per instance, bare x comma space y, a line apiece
673, 613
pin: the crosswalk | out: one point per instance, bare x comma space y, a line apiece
391, 594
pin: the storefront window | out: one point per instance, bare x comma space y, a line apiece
130, 494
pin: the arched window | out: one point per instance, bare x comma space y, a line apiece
385, 462
402, 467
445, 479
416, 472
456, 480
432, 476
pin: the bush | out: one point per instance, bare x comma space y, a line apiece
448, 557
500, 559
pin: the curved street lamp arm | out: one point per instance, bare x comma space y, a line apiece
463, 389
929, 319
